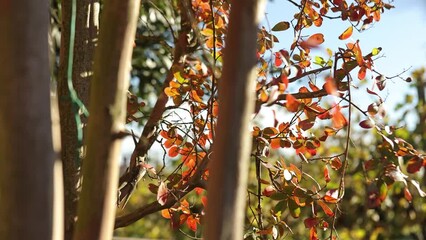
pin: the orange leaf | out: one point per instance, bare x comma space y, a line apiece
292, 103
316, 39
313, 234
195, 96
275, 143
166, 213
362, 72
338, 119
346, 34
325, 208
330, 86
313, 87
215, 111
284, 80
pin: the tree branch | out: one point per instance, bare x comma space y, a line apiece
174, 196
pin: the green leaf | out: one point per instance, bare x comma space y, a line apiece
281, 26
294, 208
319, 60
383, 190
278, 196
281, 206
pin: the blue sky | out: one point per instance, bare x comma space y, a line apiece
401, 33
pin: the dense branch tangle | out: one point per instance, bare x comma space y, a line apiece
191, 85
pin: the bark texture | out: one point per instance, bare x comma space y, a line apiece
26, 149
231, 150
86, 29
96, 208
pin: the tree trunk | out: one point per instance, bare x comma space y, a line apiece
231, 150
96, 208
86, 30
26, 149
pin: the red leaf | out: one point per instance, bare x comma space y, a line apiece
346, 34
173, 151
407, 194
311, 222
204, 201
278, 60
306, 124
414, 164
336, 164
191, 222
292, 103
366, 124
162, 194
268, 191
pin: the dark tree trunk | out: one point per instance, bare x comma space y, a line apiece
86, 30
26, 148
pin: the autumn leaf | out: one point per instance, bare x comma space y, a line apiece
294, 208
336, 163
362, 72
326, 174
292, 103
313, 234
191, 222
173, 151
278, 59
330, 86
162, 194
325, 208
166, 213
281, 26
311, 222
313, 41
414, 164
407, 194
275, 143
366, 124
346, 34
338, 119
